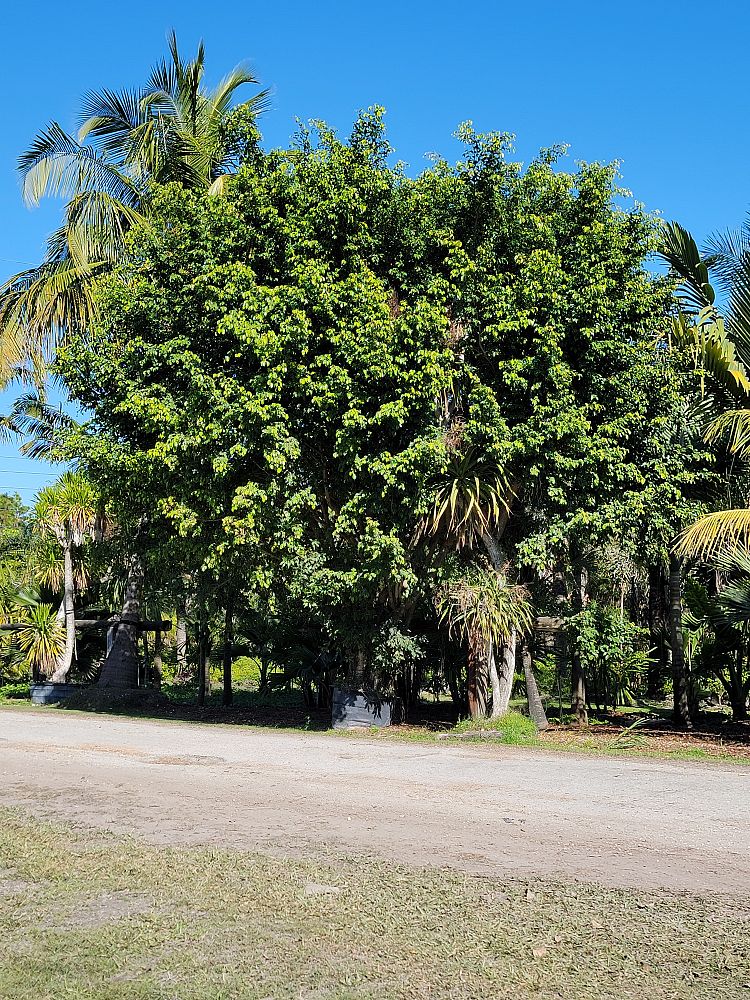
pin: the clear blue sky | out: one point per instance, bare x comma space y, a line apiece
659, 85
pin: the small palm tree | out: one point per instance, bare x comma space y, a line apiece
69, 511
38, 640
485, 610
471, 499
41, 639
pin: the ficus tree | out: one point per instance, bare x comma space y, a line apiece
322, 378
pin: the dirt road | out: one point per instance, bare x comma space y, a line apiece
488, 810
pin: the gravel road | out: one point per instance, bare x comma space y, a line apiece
493, 810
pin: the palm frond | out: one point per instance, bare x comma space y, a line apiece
41, 638
484, 603
471, 496
731, 254
716, 535
56, 165
680, 251
734, 425
108, 118
44, 426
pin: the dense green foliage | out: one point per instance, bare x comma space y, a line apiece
281, 380
403, 432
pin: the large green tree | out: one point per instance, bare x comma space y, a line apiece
283, 382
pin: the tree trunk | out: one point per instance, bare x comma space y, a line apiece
263, 674
680, 678
578, 703
536, 708
181, 645
474, 686
202, 665
145, 677
494, 681
120, 668
157, 660
506, 675
739, 710
657, 627
578, 690
357, 668
494, 551
66, 661
226, 697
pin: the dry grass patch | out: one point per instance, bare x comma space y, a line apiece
111, 919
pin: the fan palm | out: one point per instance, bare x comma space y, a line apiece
69, 511
172, 129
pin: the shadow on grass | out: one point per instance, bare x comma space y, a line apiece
274, 709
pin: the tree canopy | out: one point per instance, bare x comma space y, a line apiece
281, 379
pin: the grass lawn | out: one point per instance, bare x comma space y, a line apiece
90, 917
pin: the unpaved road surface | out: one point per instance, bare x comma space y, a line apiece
643, 823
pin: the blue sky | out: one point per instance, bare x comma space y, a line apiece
660, 86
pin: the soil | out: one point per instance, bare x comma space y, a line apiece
479, 809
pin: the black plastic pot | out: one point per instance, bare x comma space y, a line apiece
363, 709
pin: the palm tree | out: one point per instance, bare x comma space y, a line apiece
40, 637
471, 502
718, 347
725, 531
171, 129
69, 511
484, 609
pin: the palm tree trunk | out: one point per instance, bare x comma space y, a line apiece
157, 661
494, 681
657, 618
202, 666
494, 551
680, 678
473, 677
357, 668
226, 698
536, 708
578, 703
121, 665
181, 645
506, 676
203, 681
63, 669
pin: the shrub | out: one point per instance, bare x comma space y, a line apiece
15, 692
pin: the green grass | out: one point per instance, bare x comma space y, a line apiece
512, 728
90, 917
